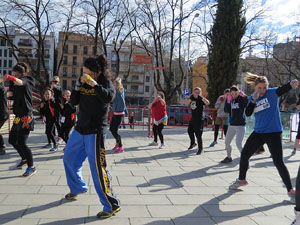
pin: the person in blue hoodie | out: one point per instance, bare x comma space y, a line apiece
235, 105
264, 103
119, 109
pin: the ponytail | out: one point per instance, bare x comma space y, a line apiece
97, 65
254, 79
21, 68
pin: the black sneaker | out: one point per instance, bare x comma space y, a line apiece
2, 151
105, 214
199, 152
227, 160
21, 164
192, 146
29, 171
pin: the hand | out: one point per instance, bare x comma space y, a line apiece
42, 105
62, 106
88, 80
294, 84
229, 97
242, 94
9, 77
78, 84
255, 96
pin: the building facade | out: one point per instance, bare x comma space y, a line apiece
73, 53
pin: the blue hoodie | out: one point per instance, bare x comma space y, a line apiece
119, 105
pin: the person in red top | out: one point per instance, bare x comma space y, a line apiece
159, 112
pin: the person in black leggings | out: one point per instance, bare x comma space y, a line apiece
196, 101
264, 103
21, 92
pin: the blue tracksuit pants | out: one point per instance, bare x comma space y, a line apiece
91, 146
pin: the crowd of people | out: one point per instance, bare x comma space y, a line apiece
94, 92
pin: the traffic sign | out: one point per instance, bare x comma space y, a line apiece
187, 93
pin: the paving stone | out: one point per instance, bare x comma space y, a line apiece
192, 211
19, 221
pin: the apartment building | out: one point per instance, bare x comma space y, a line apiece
77, 48
136, 77
25, 46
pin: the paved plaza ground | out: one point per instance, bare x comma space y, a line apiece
170, 186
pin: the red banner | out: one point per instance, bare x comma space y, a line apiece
142, 59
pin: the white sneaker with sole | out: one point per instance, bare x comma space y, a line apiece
297, 219
162, 146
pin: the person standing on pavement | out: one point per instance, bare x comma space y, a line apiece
93, 92
118, 108
159, 112
264, 103
298, 133
21, 92
221, 118
56, 88
297, 200
235, 105
48, 110
67, 116
196, 101
3, 112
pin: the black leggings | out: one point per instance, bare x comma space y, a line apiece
298, 191
1, 138
50, 128
197, 128
65, 132
274, 142
157, 130
217, 127
18, 139
114, 126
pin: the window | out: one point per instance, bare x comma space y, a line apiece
74, 60
135, 78
113, 67
5, 53
83, 60
10, 53
134, 88
4, 71
9, 63
74, 49
0, 63
9, 72
47, 64
64, 84
66, 49
73, 83
0, 52
147, 88
4, 63
85, 50
147, 78
65, 60
2, 42
114, 57
108, 56
65, 71
74, 72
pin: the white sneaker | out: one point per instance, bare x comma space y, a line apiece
297, 219
153, 143
162, 146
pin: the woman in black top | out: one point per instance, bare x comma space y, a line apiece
196, 101
21, 93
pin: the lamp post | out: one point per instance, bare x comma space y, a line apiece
188, 53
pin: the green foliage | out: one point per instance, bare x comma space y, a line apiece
225, 48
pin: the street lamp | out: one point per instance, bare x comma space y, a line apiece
188, 53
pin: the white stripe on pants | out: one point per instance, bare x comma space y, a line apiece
239, 131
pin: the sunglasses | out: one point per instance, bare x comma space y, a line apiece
55, 82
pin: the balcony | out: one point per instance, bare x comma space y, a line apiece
25, 54
24, 44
